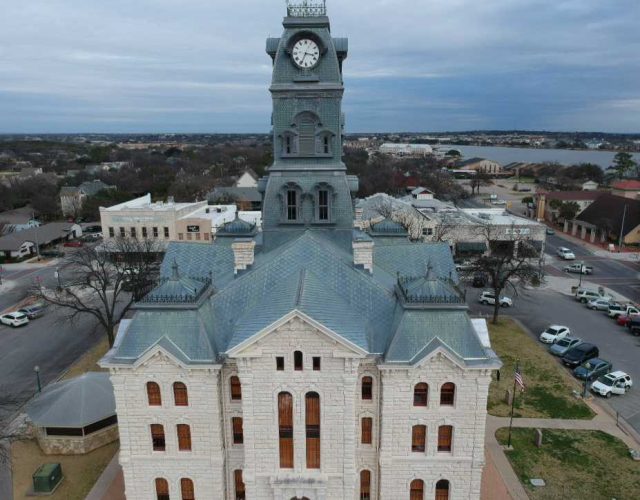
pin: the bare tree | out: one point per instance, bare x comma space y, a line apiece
105, 281
8, 405
479, 180
402, 213
445, 228
512, 261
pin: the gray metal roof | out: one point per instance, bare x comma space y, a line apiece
77, 402
44, 234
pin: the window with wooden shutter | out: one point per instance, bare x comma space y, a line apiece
418, 438
365, 485
157, 437
420, 394
184, 437
306, 125
285, 429
367, 425
312, 420
162, 489
442, 490
239, 483
298, 360
236, 388
186, 488
153, 394
445, 436
447, 394
238, 435
417, 489
367, 388
180, 395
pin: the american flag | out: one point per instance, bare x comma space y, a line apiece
519, 379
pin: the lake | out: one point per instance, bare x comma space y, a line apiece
504, 155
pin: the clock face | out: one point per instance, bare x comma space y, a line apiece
305, 53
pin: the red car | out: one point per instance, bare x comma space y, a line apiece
623, 319
72, 243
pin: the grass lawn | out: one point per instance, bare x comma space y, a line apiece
88, 361
574, 464
549, 385
80, 471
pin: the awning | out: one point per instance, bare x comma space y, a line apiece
471, 247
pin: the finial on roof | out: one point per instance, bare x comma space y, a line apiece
429, 271
175, 275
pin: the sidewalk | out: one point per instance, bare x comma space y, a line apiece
599, 250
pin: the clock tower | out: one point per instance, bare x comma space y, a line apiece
307, 184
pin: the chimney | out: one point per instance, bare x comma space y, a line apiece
243, 253
363, 252
358, 217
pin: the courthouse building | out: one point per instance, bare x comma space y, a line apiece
309, 361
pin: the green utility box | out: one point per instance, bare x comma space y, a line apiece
47, 478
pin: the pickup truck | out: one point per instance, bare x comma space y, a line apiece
579, 268
616, 310
634, 325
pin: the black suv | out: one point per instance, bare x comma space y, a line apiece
580, 353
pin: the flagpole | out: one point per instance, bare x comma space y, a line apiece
513, 400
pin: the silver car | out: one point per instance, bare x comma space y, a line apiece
599, 304
563, 345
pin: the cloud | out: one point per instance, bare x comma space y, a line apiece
161, 65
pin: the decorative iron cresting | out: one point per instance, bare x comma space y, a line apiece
306, 9
182, 298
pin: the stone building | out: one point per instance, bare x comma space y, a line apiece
310, 360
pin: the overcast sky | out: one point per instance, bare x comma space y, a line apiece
413, 65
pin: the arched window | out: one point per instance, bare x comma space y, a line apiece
292, 204
442, 490
323, 204
447, 394
239, 484
367, 388
153, 394
236, 388
365, 485
418, 438
306, 124
312, 420
162, 489
157, 437
285, 429
420, 394
445, 437
417, 490
366, 431
184, 437
180, 395
238, 433
298, 361
186, 488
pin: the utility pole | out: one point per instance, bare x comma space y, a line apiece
620, 239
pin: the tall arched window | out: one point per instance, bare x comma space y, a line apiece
285, 429
447, 394
417, 490
236, 388
238, 432
418, 438
323, 204
365, 485
239, 484
162, 489
298, 360
445, 437
292, 204
420, 394
187, 490
157, 437
153, 394
367, 430
367, 388
442, 490
180, 395
184, 437
312, 420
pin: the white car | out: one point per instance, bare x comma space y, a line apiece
489, 298
554, 333
612, 383
566, 254
14, 319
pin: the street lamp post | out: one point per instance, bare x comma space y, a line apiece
57, 276
37, 370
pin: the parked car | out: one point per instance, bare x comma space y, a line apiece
579, 268
584, 295
599, 304
612, 383
563, 345
14, 319
616, 309
479, 280
554, 333
75, 243
550, 231
593, 368
488, 298
33, 311
634, 325
51, 253
464, 265
580, 353
565, 254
